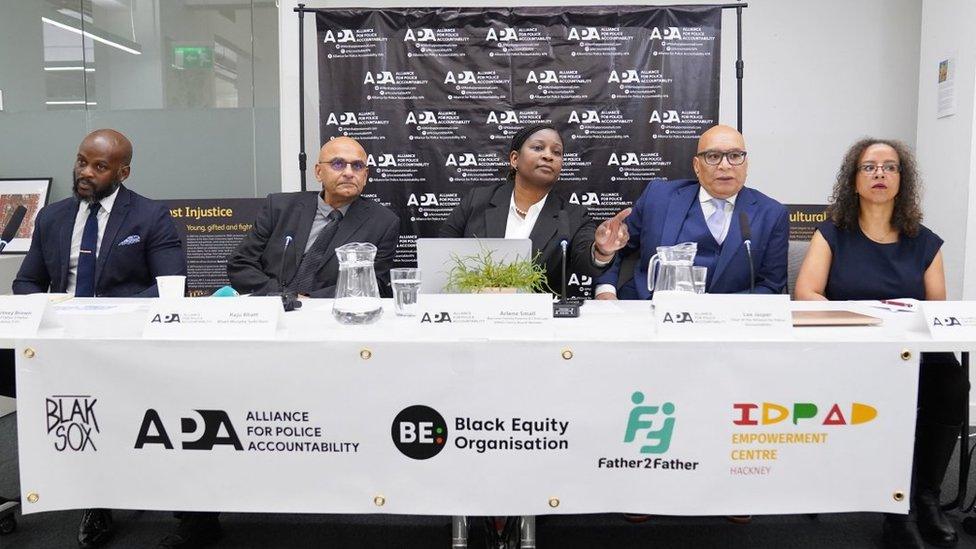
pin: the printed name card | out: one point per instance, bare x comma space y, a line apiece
21, 315
722, 317
489, 316
951, 320
246, 318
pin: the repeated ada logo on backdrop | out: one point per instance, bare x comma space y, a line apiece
71, 422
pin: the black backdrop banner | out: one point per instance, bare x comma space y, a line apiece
435, 94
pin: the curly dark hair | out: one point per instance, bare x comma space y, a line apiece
844, 208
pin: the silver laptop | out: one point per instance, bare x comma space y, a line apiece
435, 256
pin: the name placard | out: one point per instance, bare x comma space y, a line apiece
245, 318
950, 320
488, 316
722, 317
21, 315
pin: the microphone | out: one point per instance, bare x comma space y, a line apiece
565, 308
289, 298
10, 231
747, 240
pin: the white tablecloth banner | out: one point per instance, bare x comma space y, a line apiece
473, 428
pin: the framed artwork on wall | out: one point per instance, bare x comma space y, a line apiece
29, 192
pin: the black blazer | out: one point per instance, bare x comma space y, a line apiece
483, 213
140, 243
255, 265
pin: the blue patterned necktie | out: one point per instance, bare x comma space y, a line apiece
85, 276
716, 221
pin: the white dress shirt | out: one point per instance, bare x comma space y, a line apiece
521, 227
80, 219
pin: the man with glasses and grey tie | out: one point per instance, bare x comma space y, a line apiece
291, 248
713, 211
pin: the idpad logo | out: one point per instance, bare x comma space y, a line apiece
419, 432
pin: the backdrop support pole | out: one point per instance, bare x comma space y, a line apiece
302, 157
739, 65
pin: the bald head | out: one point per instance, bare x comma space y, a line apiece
342, 171
720, 163
102, 164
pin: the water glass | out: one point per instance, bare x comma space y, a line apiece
699, 274
406, 286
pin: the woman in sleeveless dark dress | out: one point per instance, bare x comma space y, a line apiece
875, 247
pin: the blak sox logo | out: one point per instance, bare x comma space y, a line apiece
72, 422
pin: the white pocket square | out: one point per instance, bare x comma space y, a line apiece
130, 240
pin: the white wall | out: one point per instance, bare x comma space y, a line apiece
945, 145
818, 75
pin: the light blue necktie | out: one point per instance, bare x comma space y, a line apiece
716, 221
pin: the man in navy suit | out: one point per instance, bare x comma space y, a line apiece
105, 241
707, 211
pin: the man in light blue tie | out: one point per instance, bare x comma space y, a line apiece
709, 211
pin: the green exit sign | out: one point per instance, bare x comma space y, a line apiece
193, 57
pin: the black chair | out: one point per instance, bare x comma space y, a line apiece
8, 506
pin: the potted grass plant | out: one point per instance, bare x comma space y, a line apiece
483, 273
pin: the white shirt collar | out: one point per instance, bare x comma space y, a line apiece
533, 210
704, 197
106, 203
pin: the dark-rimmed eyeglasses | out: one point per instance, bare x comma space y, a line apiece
714, 158
339, 165
887, 167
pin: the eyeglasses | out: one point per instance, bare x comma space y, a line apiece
714, 158
339, 165
887, 167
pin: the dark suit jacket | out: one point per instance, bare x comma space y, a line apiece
483, 213
140, 243
255, 266
656, 221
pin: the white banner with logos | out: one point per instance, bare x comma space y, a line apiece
476, 428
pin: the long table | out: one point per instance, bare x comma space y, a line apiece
598, 415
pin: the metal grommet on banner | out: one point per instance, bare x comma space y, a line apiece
906, 354
899, 495
29, 353
365, 354
553, 502
32, 497
567, 354
379, 501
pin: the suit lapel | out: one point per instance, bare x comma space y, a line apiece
745, 202
676, 213
496, 214
120, 209
546, 225
307, 208
354, 218
65, 229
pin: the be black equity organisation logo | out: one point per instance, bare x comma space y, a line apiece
419, 432
71, 422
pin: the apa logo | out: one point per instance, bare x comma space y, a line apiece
344, 35
584, 117
379, 77
542, 77
670, 117
165, 319
422, 117
772, 413
153, 431
71, 421
669, 33
502, 117
426, 199
344, 119
461, 160
420, 35
678, 318
946, 322
419, 432
385, 160
460, 77
506, 34
586, 199
579, 280
642, 418
625, 159
628, 76
443, 316
585, 34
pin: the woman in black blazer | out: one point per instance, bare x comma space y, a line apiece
523, 207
